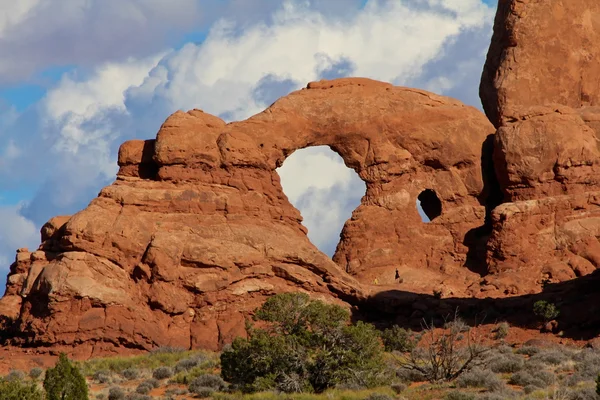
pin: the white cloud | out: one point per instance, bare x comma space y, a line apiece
14, 12
318, 183
16, 231
40, 34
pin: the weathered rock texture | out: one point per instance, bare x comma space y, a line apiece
196, 230
540, 87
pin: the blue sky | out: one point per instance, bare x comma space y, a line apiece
72, 90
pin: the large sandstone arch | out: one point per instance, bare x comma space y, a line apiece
196, 230
399, 141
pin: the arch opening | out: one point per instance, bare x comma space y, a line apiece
324, 190
429, 205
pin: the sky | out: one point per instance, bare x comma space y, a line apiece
79, 77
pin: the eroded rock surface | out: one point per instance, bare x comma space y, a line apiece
196, 230
540, 88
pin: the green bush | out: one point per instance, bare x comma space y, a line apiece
162, 373
398, 339
35, 373
544, 310
459, 396
18, 390
65, 382
116, 393
506, 364
540, 379
130, 374
144, 388
480, 378
208, 380
308, 346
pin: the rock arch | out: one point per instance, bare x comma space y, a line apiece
196, 230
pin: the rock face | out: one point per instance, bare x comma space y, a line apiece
542, 52
540, 88
196, 230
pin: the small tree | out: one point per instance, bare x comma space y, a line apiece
307, 346
65, 381
544, 310
398, 339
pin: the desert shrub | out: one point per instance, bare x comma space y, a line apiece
496, 396
598, 385
583, 394
162, 373
100, 396
545, 311
445, 355
480, 378
552, 356
130, 374
175, 391
152, 382
539, 378
398, 387
15, 375
209, 380
137, 396
456, 395
504, 349
506, 364
398, 339
409, 375
529, 389
501, 330
457, 324
65, 382
102, 376
186, 364
379, 396
587, 366
19, 390
144, 388
528, 350
202, 391
308, 341
116, 393
35, 373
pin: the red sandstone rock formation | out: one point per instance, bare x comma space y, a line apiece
196, 230
540, 88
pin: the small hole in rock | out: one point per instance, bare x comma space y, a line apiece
429, 205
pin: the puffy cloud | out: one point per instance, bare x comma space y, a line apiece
39, 34
318, 183
245, 63
15, 231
